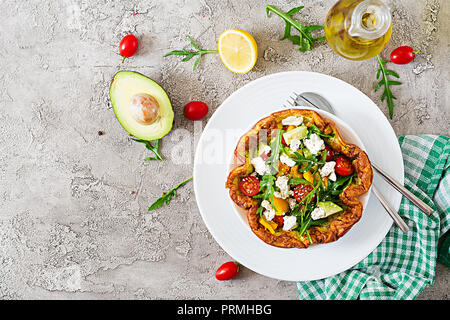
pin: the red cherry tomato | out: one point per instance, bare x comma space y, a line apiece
279, 220
249, 186
128, 46
227, 271
343, 166
195, 110
301, 191
403, 55
330, 153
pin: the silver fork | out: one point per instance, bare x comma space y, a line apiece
320, 103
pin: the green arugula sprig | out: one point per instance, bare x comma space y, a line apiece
311, 162
297, 181
314, 129
166, 197
275, 147
387, 94
267, 188
190, 54
336, 188
152, 148
305, 39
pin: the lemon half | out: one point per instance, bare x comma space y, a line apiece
237, 50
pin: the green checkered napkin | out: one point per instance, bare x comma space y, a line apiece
404, 263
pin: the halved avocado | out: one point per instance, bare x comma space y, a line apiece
142, 107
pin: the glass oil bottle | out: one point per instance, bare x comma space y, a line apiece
358, 29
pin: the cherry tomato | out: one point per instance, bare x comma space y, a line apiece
128, 46
227, 271
343, 166
330, 154
249, 186
403, 55
195, 110
279, 220
283, 141
301, 191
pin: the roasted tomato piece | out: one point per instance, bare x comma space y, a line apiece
344, 166
301, 191
249, 186
279, 220
330, 154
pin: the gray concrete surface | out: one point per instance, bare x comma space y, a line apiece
73, 204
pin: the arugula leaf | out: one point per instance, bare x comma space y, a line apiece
190, 54
267, 187
305, 39
275, 147
166, 197
337, 187
152, 148
318, 222
387, 94
299, 181
314, 129
310, 161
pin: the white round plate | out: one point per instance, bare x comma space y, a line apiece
237, 114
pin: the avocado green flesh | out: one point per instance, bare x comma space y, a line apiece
124, 86
297, 133
329, 207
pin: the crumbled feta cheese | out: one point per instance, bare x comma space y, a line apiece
314, 144
287, 161
276, 194
292, 203
328, 170
289, 222
265, 149
292, 121
332, 176
269, 213
282, 183
295, 144
260, 165
318, 213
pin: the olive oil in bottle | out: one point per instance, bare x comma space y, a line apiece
358, 29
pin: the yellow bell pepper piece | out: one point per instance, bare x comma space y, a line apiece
295, 173
308, 177
325, 182
281, 206
271, 226
291, 127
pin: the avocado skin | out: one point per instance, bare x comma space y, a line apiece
138, 83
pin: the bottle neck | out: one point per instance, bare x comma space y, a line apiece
371, 19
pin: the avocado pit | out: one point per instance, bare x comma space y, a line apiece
144, 108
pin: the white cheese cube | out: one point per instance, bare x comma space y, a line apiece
289, 222
287, 161
282, 183
292, 121
314, 144
318, 213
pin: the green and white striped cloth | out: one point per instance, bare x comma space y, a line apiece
404, 263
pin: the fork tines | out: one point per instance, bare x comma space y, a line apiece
293, 103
